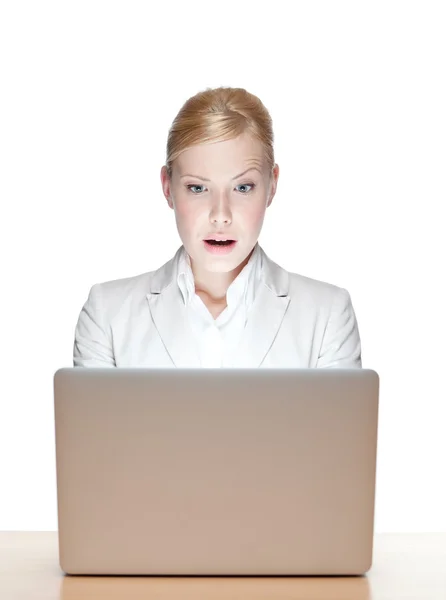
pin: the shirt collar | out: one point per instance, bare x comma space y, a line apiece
241, 289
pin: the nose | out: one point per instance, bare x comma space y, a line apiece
220, 211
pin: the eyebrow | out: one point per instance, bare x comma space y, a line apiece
236, 177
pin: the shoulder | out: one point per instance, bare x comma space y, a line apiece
301, 287
130, 293
126, 284
143, 283
316, 288
121, 296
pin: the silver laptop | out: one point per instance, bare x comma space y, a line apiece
216, 471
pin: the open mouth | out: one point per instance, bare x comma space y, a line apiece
220, 242
219, 246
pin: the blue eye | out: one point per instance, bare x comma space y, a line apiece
250, 185
194, 186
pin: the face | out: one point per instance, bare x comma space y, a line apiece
220, 188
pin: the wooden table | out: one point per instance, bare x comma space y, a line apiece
405, 566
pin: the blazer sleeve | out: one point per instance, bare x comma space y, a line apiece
341, 345
93, 345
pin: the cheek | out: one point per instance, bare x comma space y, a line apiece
186, 216
254, 216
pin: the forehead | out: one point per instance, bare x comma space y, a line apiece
228, 155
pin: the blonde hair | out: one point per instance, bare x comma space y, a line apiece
219, 114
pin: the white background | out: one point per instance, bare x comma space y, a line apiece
357, 94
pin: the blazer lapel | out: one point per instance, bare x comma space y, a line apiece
169, 316
262, 326
264, 319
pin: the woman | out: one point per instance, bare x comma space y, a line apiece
220, 301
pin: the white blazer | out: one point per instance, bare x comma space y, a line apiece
140, 321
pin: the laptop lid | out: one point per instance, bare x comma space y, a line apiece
216, 471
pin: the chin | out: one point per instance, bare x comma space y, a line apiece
225, 264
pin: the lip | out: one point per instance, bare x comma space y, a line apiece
219, 250
219, 236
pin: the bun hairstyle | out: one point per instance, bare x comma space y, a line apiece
219, 114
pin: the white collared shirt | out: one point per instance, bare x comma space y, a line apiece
216, 338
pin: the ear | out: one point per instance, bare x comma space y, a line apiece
273, 185
166, 185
